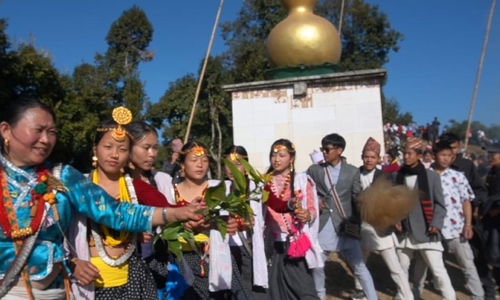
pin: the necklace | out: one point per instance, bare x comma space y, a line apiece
180, 200
128, 195
280, 195
39, 194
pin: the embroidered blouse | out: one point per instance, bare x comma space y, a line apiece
81, 195
274, 219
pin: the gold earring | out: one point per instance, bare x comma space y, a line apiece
291, 166
6, 144
94, 160
131, 166
182, 170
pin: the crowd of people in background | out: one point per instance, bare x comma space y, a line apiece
396, 136
66, 235
397, 133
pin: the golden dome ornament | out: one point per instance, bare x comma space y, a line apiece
303, 38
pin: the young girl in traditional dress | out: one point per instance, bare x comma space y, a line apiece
196, 262
119, 273
142, 157
292, 222
247, 246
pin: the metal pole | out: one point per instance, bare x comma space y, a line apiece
479, 70
202, 74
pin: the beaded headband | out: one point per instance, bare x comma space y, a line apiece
278, 148
234, 156
122, 116
197, 150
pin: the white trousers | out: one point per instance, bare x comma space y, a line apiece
434, 260
397, 273
19, 293
465, 259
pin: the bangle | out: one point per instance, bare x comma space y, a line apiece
164, 215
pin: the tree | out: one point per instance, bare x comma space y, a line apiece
459, 128
391, 112
28, 72
128, 40
367, 36
212, 119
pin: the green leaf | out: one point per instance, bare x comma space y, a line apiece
254, 173
240, 181
222, 227
265, 196
175, 247
170, 233
214, 195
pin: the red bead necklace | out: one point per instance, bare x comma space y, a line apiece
8, 218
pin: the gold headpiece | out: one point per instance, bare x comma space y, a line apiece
278, 148
122, 116
234, 156
197, 150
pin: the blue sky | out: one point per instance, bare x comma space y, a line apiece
433, 74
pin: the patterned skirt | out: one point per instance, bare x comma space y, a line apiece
199, 289
244, 261
140, 284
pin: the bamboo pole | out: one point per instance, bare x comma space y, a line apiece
341, 16
479, 71
202, 74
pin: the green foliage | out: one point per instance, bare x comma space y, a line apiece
85, 98
235, 203
27, 72
391, 112
367, 36
212, 122
240, 181
128, 40
459, 128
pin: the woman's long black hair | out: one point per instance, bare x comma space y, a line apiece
139, 130
291, 150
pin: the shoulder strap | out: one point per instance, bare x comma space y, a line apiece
335, 196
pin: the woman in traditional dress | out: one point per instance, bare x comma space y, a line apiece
292, 221
247, 246
196, 262
120, 274
38, 201
142, 157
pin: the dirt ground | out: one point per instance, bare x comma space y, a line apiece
340, 282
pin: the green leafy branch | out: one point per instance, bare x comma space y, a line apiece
237, 202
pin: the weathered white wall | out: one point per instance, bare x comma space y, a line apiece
351, 109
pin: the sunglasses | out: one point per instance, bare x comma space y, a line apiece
326, 149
